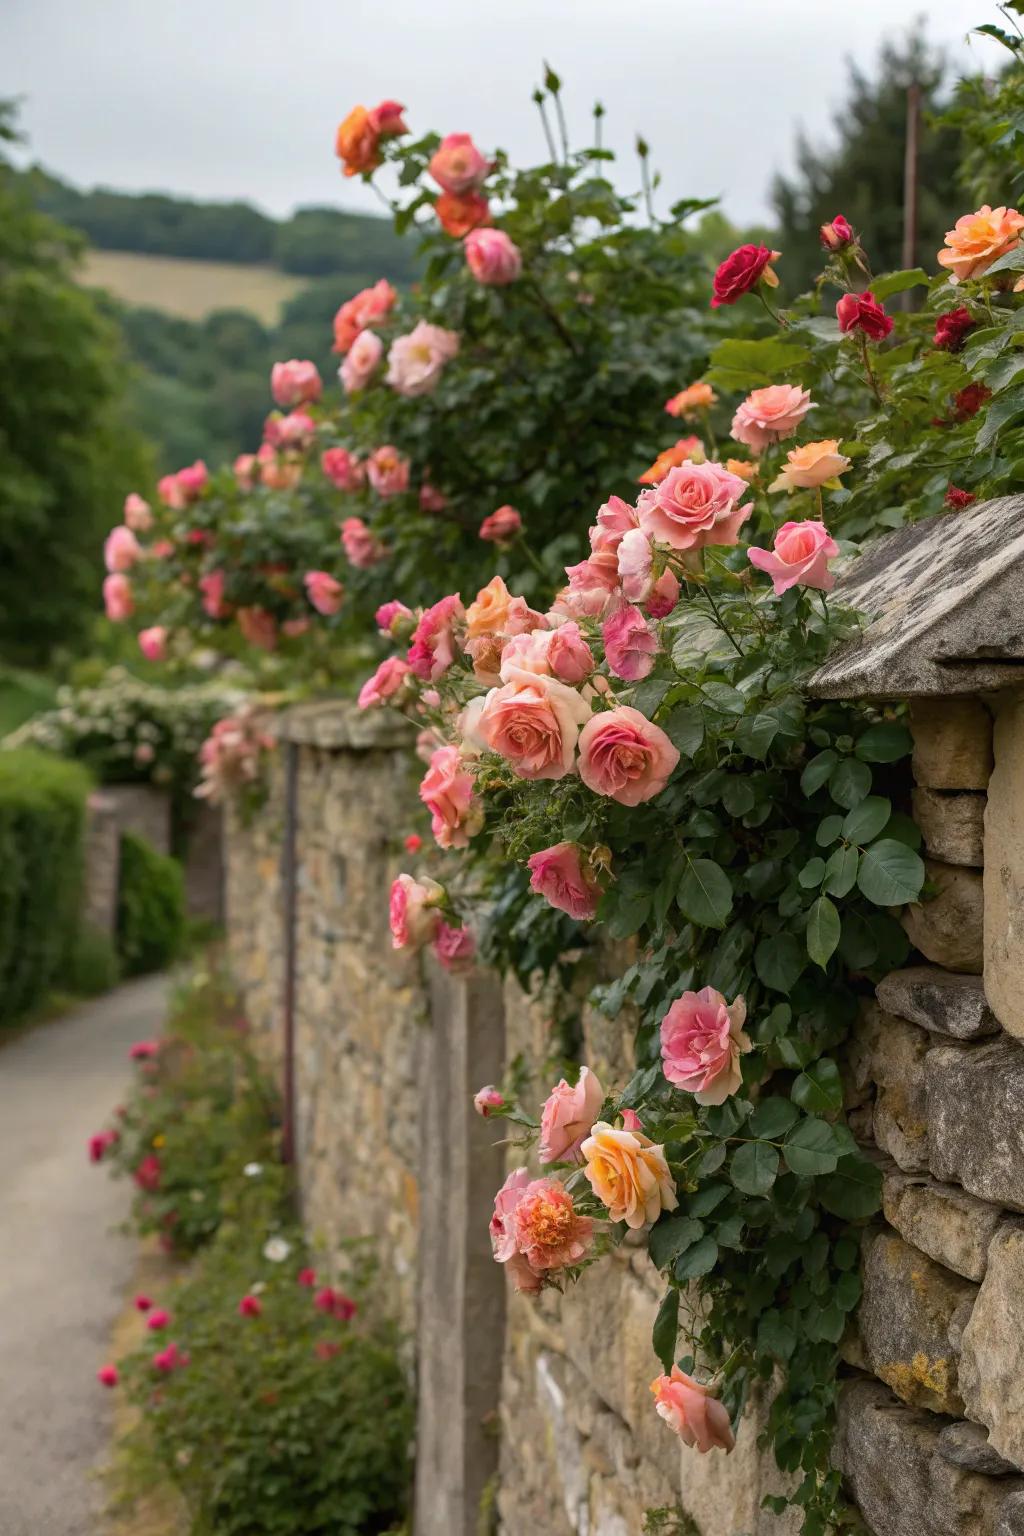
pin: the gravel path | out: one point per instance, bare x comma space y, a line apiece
63, 1269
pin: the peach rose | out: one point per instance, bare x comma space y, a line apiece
630, 645
534, 723
413, 913
457, 215
492, 257
628, 1174
362, 361
357, 143
457, 165
558, 875
745, 468
323, 591
770, 414
810, 466
625, 756
138, 514
549, 1233
296, 382
695, 505
689, 401
702, 1039
569, 656
245, 469
502, 526
685, 449
387, 471
799, 557
117, 598
448, 792
362, 548
367, 306
121, 549
388, 680
416, 361
977, 240
567, 1117
259, 628
688, 1408
488, 612
342, 469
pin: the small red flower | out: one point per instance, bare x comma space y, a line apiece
837, 233
413, 843
143, 1303
862, 312
108, 1376
326, 1349
167, 1360
147, 1174
158, 1319
959, 499
952, 327
968, 402
100, 1143
306, 1277
250, 1306
142, 1050
741, 271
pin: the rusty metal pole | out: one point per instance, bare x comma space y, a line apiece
910, 155
289, 882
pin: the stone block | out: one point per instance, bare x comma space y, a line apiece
1004, 876
906, 1313
101, 864
204, 863
944, 1002
890, 1053
992, 1364
967, 1445
1011, 1516
952, 825
952, 743
976, 1119
145, 811
947, 927
945, 1222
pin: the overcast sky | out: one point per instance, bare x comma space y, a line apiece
240, 98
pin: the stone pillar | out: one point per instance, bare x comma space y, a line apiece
1004, 869
461, 1321
102, 862
204, 863
144, 810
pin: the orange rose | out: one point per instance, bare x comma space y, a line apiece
978, 240
810, 466
357, 142
742, 467
694, 398
628, 1173
459, 213
671, 458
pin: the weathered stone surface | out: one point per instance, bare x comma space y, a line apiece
908, 1306
947, 927
952, 825
945, 1222
144, 810
967, 1445
888, 1455
1004, 877
992, 1365
945, 1002
1011, 1516
101, 864
976, 1118
889, 1053
952, 743
204, 863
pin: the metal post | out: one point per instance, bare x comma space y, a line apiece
289, 882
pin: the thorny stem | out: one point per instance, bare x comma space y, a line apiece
869, 370
645, 175
539, 99
553, 316
534, 561
779, 319
563, 131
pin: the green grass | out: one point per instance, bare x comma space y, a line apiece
189, 288
22, 694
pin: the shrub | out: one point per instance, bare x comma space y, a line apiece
150, 907
92, 965
288, 1415
42, 815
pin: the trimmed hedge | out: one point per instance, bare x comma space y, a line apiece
42, 819
150, 907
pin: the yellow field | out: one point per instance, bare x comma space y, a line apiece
188, 288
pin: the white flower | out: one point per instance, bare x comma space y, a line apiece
253, 1170
276, 1249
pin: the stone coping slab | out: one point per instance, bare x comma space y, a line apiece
340, 725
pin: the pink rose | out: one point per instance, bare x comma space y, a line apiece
192, 479
342, 469
431, 499
323, 591
295, 383
108, 1376
534, 723
636, 565
138, 514
362, 361
799, 557
394, 619
457, 165
433, 642
614, 519
664, 595
362, 548
695, 505
387, 471
502, 526
631, 1120
702, 1039
448, 792
689, 1409
153, 642
250, 1306
863, 312
212, 588
625, 756
296, 430
368, 306
117, 598
549, 1233
770, 414
244, 470
528, 652
487, 1099
416, 361
567, 1117
454, 949
492, 257
502, 1224
387, 120
629, 644
570, 658
259, 628
386, 682
121, 549
413, 913
557, 874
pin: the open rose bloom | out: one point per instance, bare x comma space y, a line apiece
688, 1408
536, 1230
628, 1174
799, 557
702, 1039
567, 1117
977, 240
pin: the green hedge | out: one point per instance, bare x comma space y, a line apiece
42, 818
150, 907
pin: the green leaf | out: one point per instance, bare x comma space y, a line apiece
898, 282
705, 894
724, 697
671, 1237
698, 1260
823, 929
858, 944
755, 734
754, 1167
828, 830
890, 873
707, 1199
884, 743
1000, 413
778, 961
818, 1088
772, 1118
850, 783
685, 728
738, 797
810, 1148
866, 820
817, 771
743, 365
854, 1190
847, 1289
648, 694
666, 1328
710, 1163
841, 872
812, 873
775, 1337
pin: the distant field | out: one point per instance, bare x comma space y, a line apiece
191, 289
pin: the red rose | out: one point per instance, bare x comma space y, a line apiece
837, 233
969, 401
959, 499
742, 271
862, 312
952, 327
